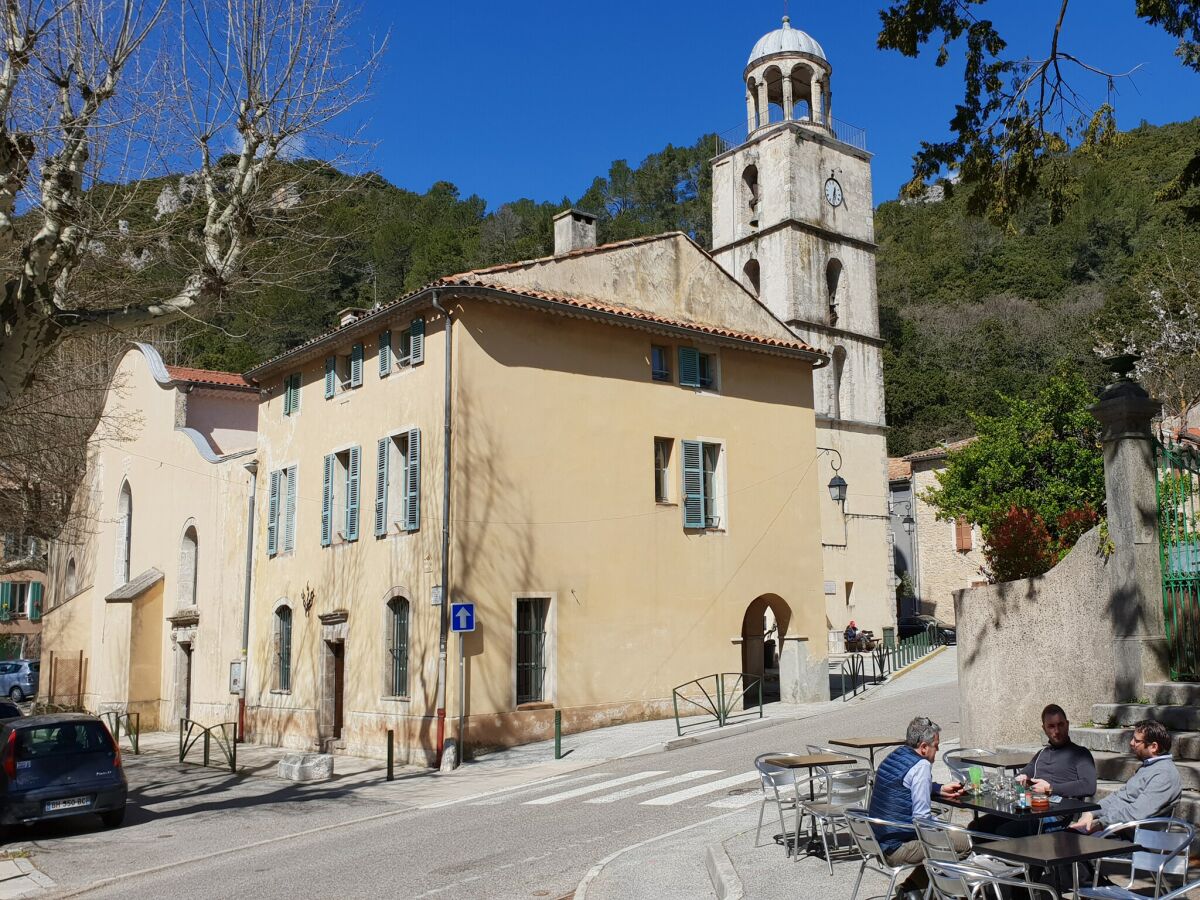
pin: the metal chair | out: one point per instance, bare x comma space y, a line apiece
774, 780
873, 857
1166, 842
843, 790
961, 881
938, 843
957, 769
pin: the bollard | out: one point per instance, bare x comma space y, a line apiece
558, 734
391, 775
206, 737
233, 753
137, 732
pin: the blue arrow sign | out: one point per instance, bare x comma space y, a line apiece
462, 616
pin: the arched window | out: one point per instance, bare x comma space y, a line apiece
71, 581
188, 559
397, 646
839, 364
833, 283
750, 276
124, 533
283, 648
750, 191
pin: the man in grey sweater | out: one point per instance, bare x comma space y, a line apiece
1061, 767
1154, 787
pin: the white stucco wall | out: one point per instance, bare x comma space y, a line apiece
942, 568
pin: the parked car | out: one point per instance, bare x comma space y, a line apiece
910, 626
60, 765
19, 678
10, 710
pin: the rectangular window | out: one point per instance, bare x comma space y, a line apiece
281, 511
697, 369
398, 647
660, 363
531, 649
662, 470
291, 394
398, 482
14, 599
409, 347
20, 605
703, 491
283, 648
340, 495
964, 539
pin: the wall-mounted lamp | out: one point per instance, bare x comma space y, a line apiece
838, 488
909, 523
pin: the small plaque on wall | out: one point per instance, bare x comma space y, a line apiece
830, 588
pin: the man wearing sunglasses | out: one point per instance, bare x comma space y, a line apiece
1152, 790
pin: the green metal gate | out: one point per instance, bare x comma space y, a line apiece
1177, 478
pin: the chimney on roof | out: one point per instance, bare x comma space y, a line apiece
573, 230
350, 315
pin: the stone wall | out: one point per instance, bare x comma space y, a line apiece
942, 569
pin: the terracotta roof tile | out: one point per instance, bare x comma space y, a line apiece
210, 378
939, 451
898, 468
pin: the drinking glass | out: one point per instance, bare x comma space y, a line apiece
976, 775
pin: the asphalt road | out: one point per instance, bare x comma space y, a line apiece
209, 837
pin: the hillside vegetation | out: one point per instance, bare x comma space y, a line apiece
969, 311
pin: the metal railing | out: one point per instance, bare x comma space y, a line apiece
1177, 486
884, 662
856, 137
224, 732
714, 699
133, 726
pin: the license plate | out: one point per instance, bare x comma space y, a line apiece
72, 803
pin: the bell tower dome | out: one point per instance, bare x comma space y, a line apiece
787, 79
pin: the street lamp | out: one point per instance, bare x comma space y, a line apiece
909, 525
837, 488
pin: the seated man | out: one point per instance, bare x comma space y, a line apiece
1061, 767
904, 786
1154, 787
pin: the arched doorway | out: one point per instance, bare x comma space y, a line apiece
764, 626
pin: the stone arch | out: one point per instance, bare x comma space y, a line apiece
801, 76
752, 276
71, 580
833, 286
772, 76
189, 564
751, 193
124, 532
766, 614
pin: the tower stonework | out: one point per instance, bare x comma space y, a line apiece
793, 222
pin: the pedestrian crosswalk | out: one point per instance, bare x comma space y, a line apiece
659, 787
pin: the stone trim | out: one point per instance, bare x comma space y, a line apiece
185, 617
135, 587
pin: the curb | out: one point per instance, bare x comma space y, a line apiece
722, 874
704, 737
900, 673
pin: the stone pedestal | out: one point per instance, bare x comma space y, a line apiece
306, 767
802, 679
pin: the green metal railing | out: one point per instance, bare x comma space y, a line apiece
224, 733
133, 727
1177, 486
851, 671
716, 699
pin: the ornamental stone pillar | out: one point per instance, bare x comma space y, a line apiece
787, 98
764, 107
814, 105
750, 115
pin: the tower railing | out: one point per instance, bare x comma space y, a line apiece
842, 131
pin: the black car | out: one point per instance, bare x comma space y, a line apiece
910, 626
60, 765
10, 710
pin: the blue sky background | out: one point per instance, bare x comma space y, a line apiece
533, 99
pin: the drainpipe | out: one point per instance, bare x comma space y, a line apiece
252, 468
444, 613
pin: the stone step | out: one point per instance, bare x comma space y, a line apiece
1172, 693
1185, 744
1176, 718
1119, 768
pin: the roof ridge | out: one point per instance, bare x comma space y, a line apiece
583, 251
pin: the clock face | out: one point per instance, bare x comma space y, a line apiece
833, 192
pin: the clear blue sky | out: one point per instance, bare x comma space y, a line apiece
527, 98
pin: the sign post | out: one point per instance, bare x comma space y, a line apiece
462, 620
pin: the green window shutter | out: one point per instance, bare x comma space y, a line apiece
353, 470
6, 601
412, 482
385, 354
693, 484
289, 525
689, 367
417, 342
327, 502
273, 516
35, 601
287, 396
291, 400
330, 376
381, 487
356, 364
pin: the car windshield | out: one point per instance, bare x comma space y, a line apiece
35, 666
62, 739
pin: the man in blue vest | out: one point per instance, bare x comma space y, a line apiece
904, 787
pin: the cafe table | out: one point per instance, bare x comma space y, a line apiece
808, 761
987, 802
867, 743
1060, 848
1012, 761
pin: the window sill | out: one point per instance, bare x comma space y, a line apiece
281, 693
396, 699
666, 503
534, 705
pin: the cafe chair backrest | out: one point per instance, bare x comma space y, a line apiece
952, 759
1166, 842
864, 835
953, 880
773, 778
849, 788
935, 840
